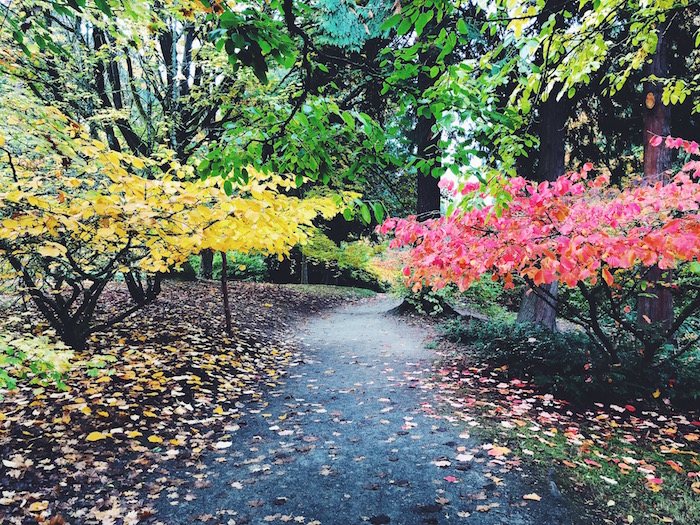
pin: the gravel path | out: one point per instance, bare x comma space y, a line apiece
356, 435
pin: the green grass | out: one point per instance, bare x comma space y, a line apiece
326, 290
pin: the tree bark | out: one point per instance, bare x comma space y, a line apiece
207, 267
304, 269
534, 309
656, 306
224, 292
427, 148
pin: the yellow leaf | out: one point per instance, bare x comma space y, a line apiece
148, 413
155, 439
86, 410
219, 410
532, 497
38, 506
137, 163
134, 434
95, 436
175, 442
104, 379
2, 141
103, 413
49, 250
498, 451
656, 393
283, 417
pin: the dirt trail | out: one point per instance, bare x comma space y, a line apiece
356, 435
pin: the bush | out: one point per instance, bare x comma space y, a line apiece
572, 367
491, 299
349, 264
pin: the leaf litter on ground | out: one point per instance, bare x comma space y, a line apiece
179, 386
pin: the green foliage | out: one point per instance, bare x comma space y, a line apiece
348, 25
489, 298
349, 262
427, 301
241, 266
571, 367
33, 359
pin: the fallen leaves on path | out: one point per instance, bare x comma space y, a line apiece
179, 386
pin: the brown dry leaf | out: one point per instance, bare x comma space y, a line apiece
532, 497
483, 508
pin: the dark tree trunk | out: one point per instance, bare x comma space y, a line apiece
304, 269
656, 306
427, 148
207, 267
224, 292
536, 310
552, 119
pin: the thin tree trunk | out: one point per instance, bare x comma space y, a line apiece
304, 269
224, 291
656, 306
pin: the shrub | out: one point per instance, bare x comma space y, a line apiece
571, 366
491, 299
347, 264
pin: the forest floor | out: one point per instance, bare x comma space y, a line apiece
316, 412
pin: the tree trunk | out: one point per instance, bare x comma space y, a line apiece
534, 309
304, 269
656, 306
206, 269
427, 148
224, 292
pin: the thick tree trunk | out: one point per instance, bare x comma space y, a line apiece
534, 309
206, 269
656, 306
427, 148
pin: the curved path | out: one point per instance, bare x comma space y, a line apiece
355, 436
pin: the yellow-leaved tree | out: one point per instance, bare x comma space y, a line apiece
75, 214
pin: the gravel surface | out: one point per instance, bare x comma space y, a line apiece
356, 434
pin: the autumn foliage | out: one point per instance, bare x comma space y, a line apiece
71, 222
579, 231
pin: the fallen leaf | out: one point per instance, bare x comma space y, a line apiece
497, 451
38, 506
532, 497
